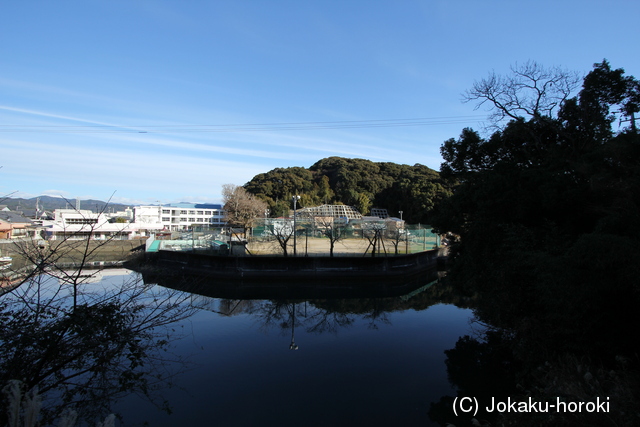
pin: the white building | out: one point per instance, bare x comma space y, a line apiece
82, 224
180, 216
144, 221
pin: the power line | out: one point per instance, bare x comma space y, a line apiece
246, 127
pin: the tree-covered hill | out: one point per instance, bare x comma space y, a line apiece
415, 190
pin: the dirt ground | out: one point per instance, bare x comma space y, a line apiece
320, 247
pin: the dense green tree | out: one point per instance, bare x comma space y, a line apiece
277, 187
363, 203
324, 191
547, 212
279, 209
416, 191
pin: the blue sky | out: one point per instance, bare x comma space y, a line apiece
168, 100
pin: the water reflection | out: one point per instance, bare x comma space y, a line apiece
78, 345
481, 367
324, 313
375, 360
304, 356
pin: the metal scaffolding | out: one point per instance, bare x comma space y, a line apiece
330, 211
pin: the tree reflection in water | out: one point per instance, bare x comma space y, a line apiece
253, 367
316, 316
289, 307
289, 315
82, 345
506, 365
480, 367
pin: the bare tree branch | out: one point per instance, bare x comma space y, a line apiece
530, 91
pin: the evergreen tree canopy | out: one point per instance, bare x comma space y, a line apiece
547, 211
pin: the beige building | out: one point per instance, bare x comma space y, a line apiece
15, 226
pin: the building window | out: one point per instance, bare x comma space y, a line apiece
81, 221
164, 219
166, 211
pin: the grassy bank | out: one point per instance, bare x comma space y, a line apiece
74, 250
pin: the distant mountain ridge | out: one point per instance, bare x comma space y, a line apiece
50, 203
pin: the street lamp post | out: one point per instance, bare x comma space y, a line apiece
295, 205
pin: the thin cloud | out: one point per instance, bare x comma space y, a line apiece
108, 169
56, 193
37, 87
56, 116
204, 147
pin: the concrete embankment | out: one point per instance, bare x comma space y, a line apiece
278, 267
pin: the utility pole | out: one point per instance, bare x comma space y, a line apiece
295, 204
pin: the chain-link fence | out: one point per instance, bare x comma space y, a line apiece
317, 236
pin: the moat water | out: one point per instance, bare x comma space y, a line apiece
323, 362
375, 361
